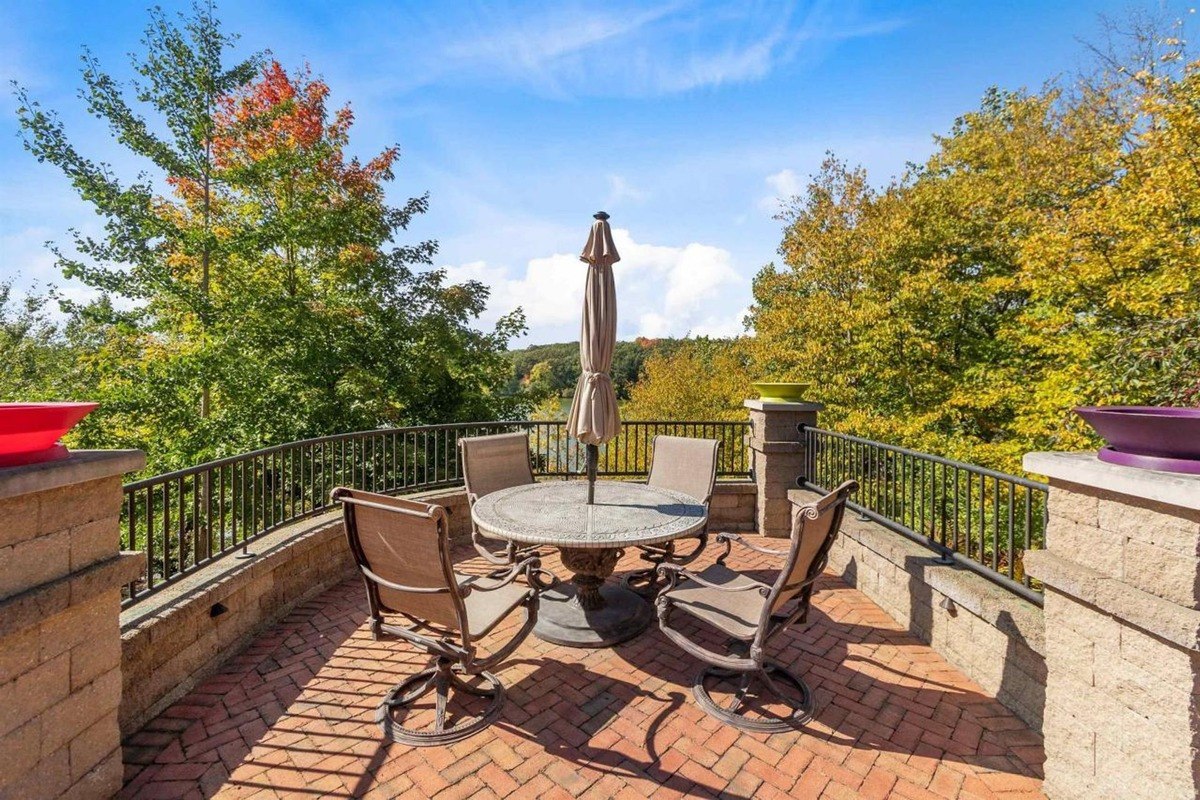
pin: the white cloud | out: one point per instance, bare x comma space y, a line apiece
784, 185
661, 290
534, 44
30, 267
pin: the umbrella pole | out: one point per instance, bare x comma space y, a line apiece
593, 455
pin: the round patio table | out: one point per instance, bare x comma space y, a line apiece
588, 611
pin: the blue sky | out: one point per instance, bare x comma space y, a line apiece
684, 120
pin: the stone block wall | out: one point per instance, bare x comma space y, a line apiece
993, 636
60, 646
1122, 630
777, 460
732, 507
172, 639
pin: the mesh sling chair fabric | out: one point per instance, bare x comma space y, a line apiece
751, 613
685, 465
489, 464
402, 549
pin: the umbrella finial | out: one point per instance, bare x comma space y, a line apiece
600, 215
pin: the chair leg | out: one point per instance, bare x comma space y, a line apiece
645, 581
442, 679
800, 709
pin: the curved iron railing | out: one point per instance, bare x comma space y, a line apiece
970, 515
185, 519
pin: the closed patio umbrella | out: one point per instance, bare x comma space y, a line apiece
594, 419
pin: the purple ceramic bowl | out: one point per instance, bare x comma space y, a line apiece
1172, 433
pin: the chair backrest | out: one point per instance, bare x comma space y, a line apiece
685, 465
402, 549
814, 527
492, 463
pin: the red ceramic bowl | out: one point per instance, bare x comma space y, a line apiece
29, 432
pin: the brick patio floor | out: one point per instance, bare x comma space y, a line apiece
293, 716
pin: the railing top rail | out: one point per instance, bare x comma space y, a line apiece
154, 480
991, 473
275, 448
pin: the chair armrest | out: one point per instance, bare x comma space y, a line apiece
526, 566
673, 572
727, 538
399, 587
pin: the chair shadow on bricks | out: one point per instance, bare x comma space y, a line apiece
605, 721
201, 739
581, 717
878, 691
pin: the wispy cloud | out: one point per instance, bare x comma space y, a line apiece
534, 43
615, 50
621, 191
784, 185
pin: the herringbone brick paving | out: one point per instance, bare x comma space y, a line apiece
293, 716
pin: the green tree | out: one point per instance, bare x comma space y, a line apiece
38, 361
181, 78
263, 298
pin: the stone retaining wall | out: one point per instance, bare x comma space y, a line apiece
993, 636
60, 660
732, 506
173, 639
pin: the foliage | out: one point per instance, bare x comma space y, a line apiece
552, 370
698, 379
263, 298
37, 359
1043, 257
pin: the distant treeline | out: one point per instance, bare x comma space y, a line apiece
553, 369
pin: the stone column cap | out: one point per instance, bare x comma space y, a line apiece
780, 405
1085, 469
80, 466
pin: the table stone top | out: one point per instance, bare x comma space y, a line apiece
557, 513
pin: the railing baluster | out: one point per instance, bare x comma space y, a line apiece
166, 494
1029, 543
131, 510
953, 507
149, 539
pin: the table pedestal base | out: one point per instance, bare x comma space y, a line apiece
562, 620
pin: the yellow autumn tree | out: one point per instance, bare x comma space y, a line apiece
698, 379
1045, 256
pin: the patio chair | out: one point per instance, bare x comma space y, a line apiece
686, 465
402, 548
489, 464
751, 614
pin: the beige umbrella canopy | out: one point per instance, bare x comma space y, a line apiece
594, 419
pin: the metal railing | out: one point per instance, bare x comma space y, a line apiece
973, 516
183, 520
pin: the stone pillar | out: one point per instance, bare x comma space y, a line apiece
777, 452
60, 639
1122, 580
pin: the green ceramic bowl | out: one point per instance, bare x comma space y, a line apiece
781, 392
